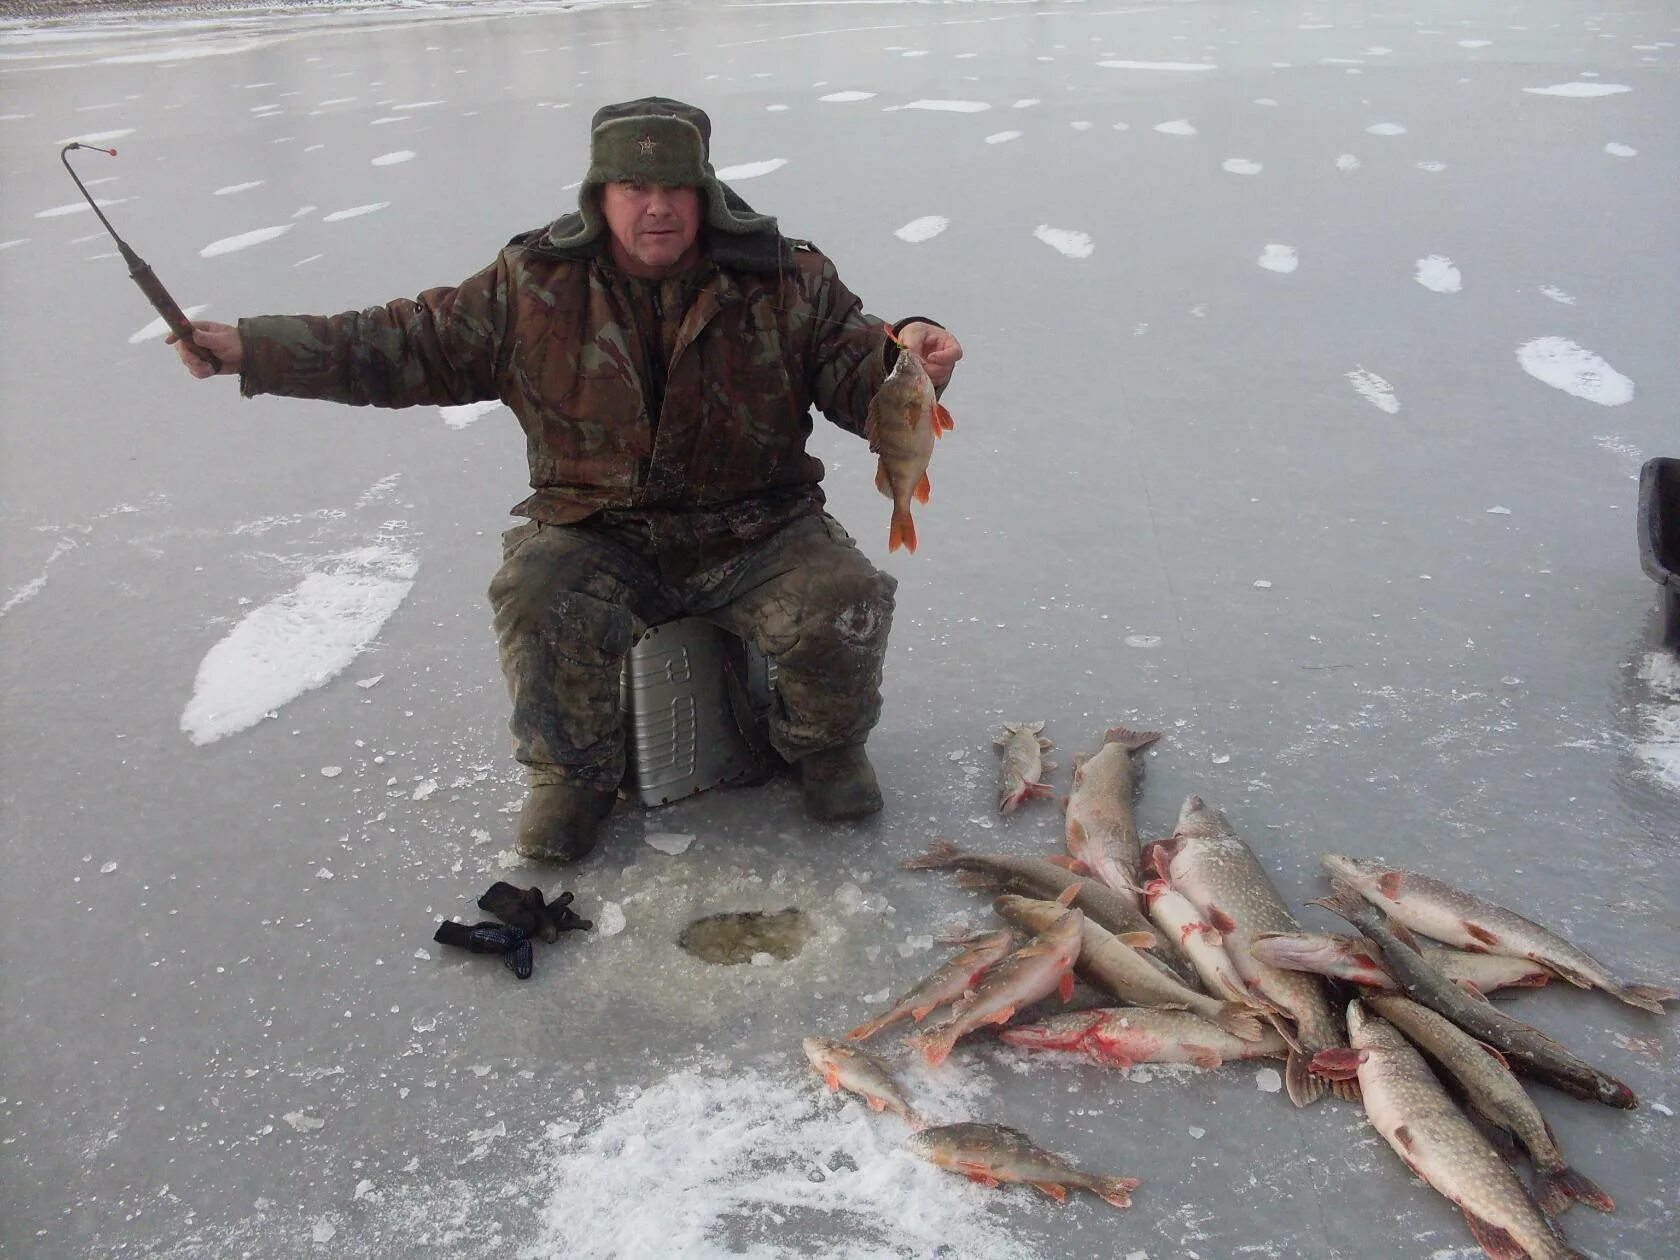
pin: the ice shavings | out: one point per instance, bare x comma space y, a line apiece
297, 641
1658, 745
460, 417
923, 229
1438, 274
1579, 88
1562, 364
749, 1165
669, 842
751, 170
1279, 258
1065, 241
229, 244
1374, 390
354, 212
157, 328
609, 921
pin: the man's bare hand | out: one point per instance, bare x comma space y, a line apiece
936, 347
221, 340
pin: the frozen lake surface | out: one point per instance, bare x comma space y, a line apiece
1312, 353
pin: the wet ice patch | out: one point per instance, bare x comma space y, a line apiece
1374, 390
747, 1163
1241, 166
1560, 363
1177, 127
847, 96
298, 641
157, 328
1279, 258
354, 212
1579, 88
232, 244
1620, 150
1065, 241
1438, 274
391, 159
1188, 66
944, 107
467, 413
923, 229
1658, 745
1002, 137
1386, 129
751, 170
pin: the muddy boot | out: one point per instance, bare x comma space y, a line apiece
839, 783
561, 822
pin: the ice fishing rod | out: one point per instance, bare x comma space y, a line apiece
139, 270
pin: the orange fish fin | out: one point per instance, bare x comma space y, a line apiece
924, 488
1065, 986
1068, 895
1201, 1056
1340, 1064
942, 422
1389, 882
1480, 933
1221, 921
903, 532
1003, 1016
1138, 940
875, 1104
831, 1078
1056, 1192
1493, 1240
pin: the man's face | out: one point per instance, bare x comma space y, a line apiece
655, 229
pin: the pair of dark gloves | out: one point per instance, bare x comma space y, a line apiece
524, 914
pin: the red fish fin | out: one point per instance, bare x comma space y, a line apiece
1003, 1016
980, 1173
1339, 1064
920, 1013
1064, 986
1157, 857
875, 1104
1498, 1244
942, 422
1068, 895
1138, 940
1117, 1190
1221, 921
831, 1078
1070, 864
903, 531
1480, 933
1649, 997
1388, 883
1201, 1056
1056, 1192
1539, 978
924, 488
864, 1031
1304, 1088
1555, 1191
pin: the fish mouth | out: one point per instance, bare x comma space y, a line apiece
1349, 868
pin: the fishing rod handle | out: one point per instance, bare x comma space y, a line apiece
164, 305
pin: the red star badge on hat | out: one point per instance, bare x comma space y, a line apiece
647, 144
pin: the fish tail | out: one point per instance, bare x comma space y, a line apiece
1647, 997
1240, 1021
941, 855
1116, 1190
935, 1046
1134, 741
1345, 901
1557, 1188
1304, 1088
903, 531
1347, 1091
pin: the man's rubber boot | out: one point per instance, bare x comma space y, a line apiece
839, 783
561, 822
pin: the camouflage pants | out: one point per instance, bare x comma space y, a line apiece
570, 600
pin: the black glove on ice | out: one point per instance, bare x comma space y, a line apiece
489, 938
524, 908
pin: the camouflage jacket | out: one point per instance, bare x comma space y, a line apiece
769, 331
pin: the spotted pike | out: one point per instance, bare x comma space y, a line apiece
947, 984
1449, 914
845, 1066
1042, 966
1350, 958
1409, 1108
1034, 877
1528, 1049
1182, 922
1021, 773
990, 1153
905, 419
1126, 1036
1101, 830
1209, 863
1497, 1095
1107, 962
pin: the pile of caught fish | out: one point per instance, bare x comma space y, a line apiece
1209, 966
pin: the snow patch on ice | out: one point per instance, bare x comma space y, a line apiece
1579, 88
391, 159
238, 188
1376, 391
1557, 294
751, 170
923, 229
460, 417
1560, 363
1177, 127
1279, 258
1474, 43
354, 212
847, 96
1620, 150
1065, 241
1386, 129
1347, 162
1002, 137
157, 328
298, 641
229, 244
712, 1160
1241, 166
1158, 65
77, 207
1438, 273
943, 107
98, 137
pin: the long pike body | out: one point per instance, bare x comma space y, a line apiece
1209, 863
1413, 1113
1101, 827
1182, 922
1450, 914
1126, 1036
1351, 958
